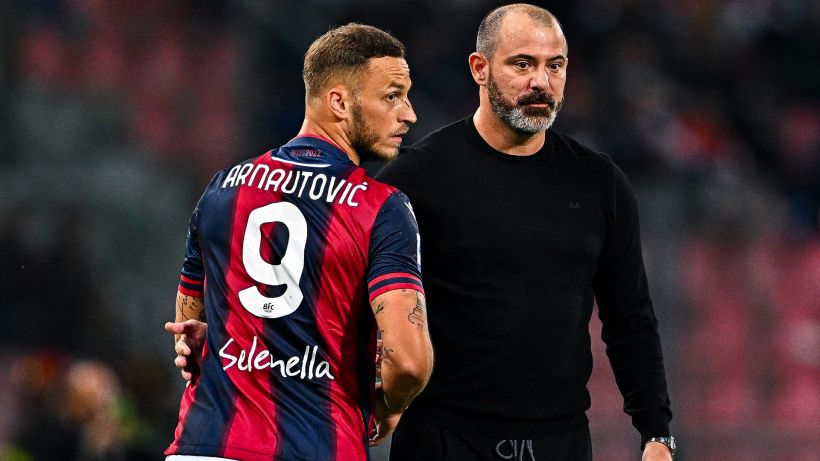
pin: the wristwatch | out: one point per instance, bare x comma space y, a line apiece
668, 441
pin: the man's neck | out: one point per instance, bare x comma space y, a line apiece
331, 133
503, 138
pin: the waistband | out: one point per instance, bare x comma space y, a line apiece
501, 428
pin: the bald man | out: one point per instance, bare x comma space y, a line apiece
524, 228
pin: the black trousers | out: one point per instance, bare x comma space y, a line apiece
419, 441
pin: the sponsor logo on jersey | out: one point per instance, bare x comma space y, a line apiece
258, 358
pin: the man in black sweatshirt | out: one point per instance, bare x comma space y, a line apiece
523, 228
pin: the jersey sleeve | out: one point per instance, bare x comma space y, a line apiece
192, 277
395, 248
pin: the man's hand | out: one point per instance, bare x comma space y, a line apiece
656, 451
189, 336
386, 418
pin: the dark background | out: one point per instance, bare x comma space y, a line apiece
115, 114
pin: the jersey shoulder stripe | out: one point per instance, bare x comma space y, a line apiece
393, 281
190, 287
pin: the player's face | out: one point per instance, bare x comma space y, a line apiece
525, 83
382, 113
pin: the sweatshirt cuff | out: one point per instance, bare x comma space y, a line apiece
658, 426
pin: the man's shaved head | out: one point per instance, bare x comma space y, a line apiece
491, 24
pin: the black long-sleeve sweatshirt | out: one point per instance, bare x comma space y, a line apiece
514, 251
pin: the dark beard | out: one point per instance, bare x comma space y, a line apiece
362, 138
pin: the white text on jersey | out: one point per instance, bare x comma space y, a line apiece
302, 367
316, 186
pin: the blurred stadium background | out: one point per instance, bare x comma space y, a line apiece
115, 114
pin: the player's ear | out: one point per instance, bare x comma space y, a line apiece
340, 102
479, 67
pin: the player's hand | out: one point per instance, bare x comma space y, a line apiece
386, 419
655, 451
190, 336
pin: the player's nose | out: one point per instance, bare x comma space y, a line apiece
407, 114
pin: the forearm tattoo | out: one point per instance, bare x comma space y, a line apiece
383, 353
418, 316
190, 307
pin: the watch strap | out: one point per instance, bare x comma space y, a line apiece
669, 441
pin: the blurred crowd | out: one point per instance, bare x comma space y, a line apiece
115, 114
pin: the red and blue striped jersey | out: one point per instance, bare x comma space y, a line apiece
287, 250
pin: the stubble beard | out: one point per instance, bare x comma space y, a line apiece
520, 117
363, 139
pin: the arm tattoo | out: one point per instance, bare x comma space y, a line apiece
384, 352
191, 308
387, 353
379, 307
417, 317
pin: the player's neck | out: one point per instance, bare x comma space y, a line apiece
331, 132
503, 138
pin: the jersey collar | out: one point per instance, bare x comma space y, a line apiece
314, 148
